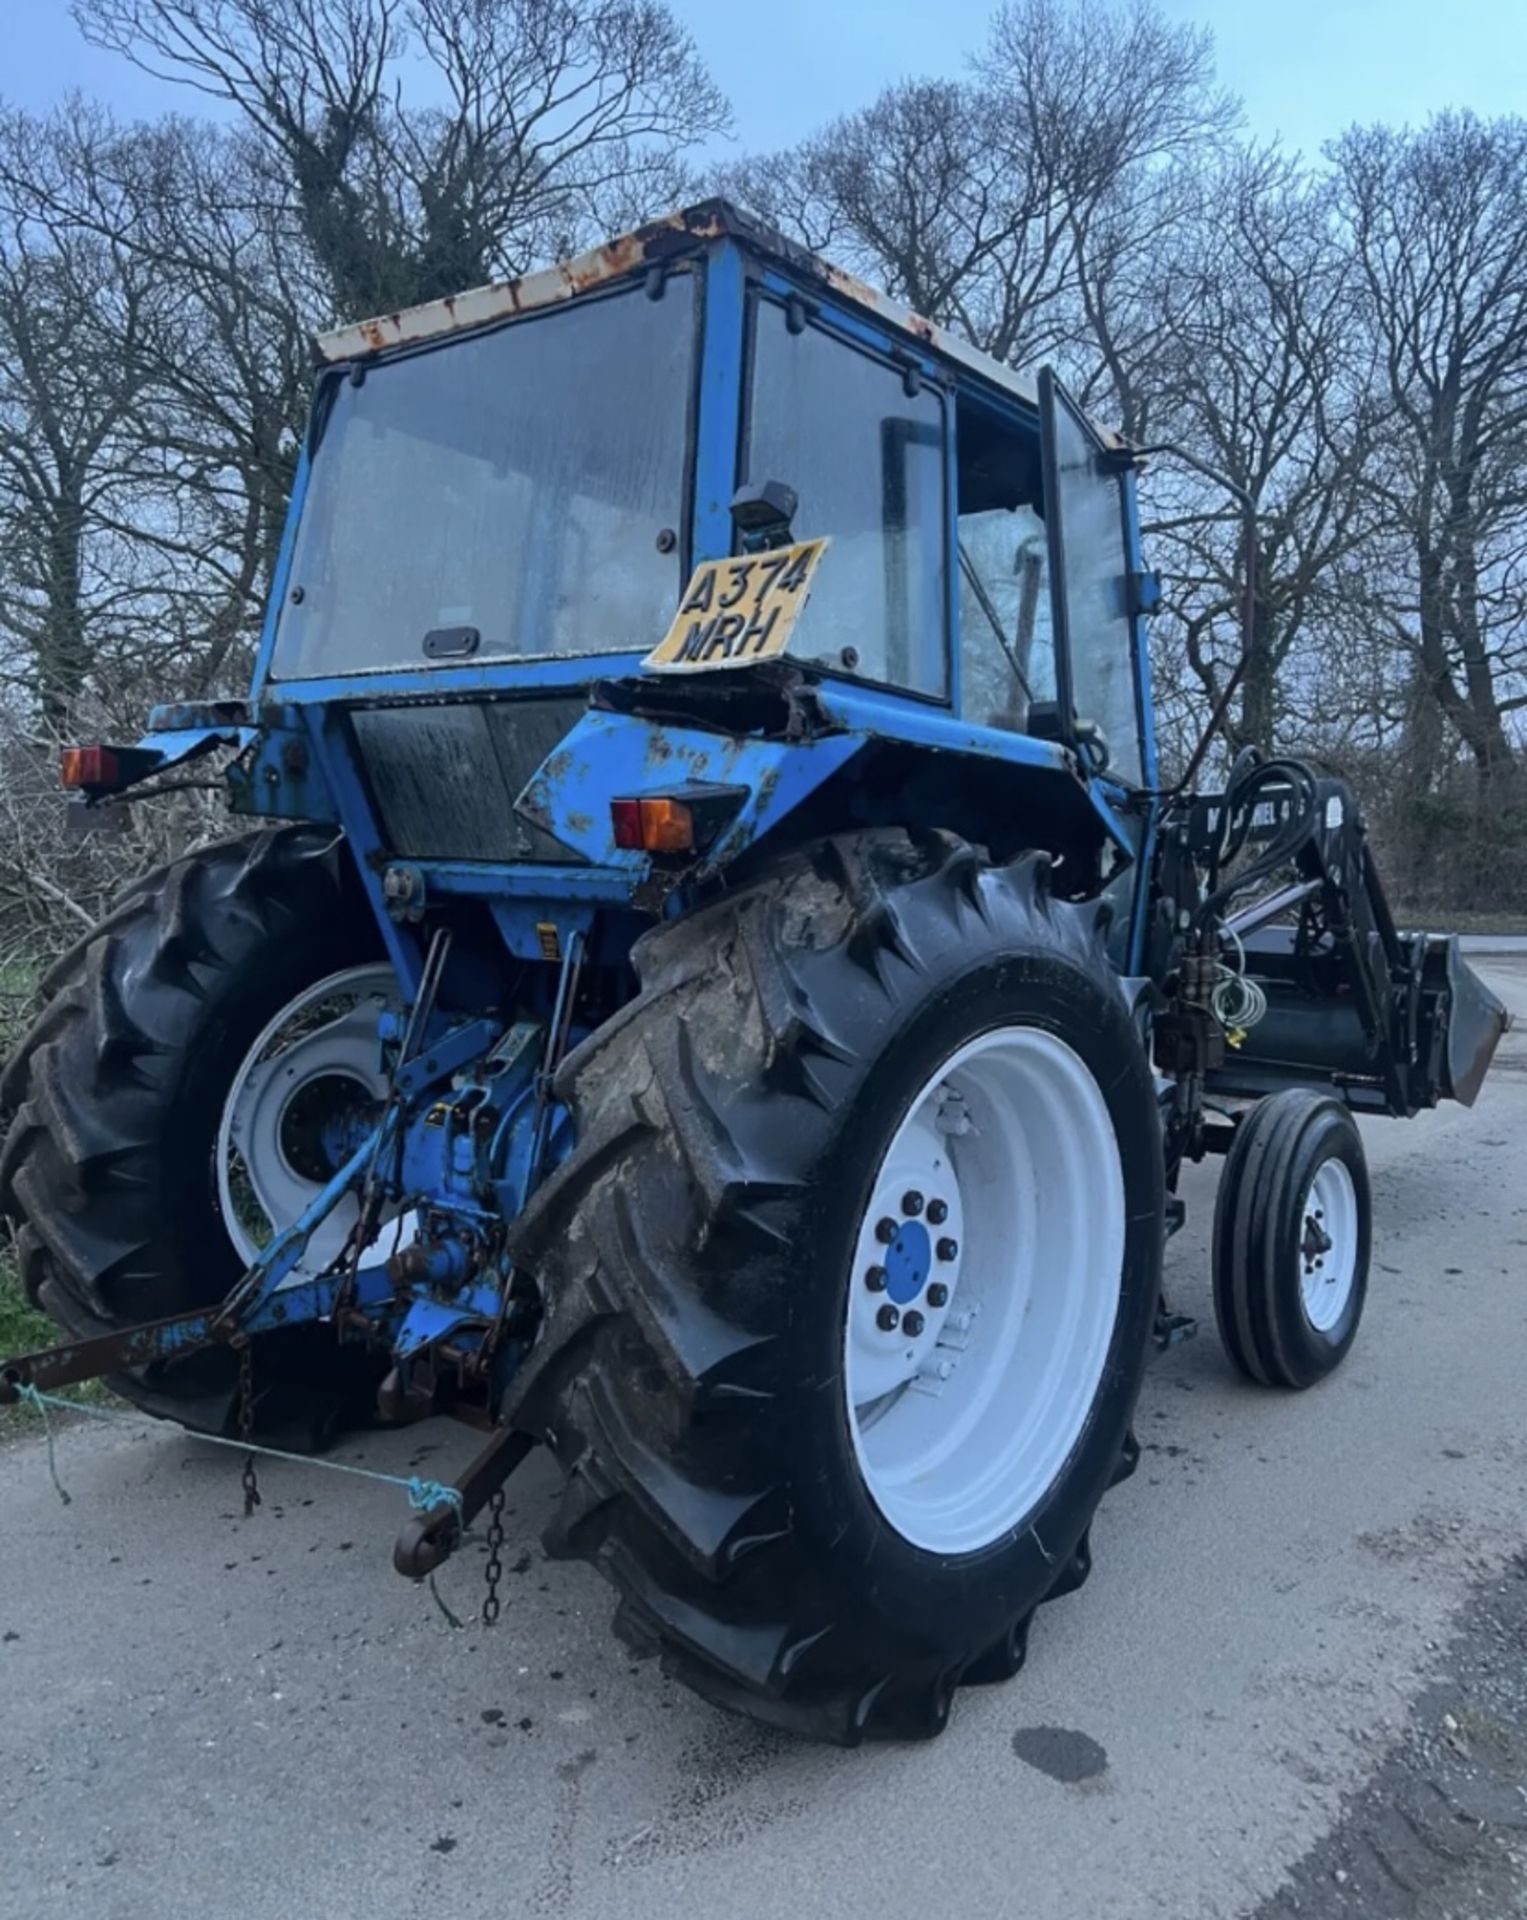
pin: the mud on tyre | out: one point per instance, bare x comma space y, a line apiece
707, 1256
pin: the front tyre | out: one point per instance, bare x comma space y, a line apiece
1293, 1229
850, 1281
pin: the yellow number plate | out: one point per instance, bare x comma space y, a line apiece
737, 611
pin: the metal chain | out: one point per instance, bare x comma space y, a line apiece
492, 1605
246, 1425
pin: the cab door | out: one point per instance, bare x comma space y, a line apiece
1096, 593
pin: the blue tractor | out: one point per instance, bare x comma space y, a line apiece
713, 983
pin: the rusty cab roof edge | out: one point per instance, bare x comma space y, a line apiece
685, 232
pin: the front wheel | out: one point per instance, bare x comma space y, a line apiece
1292, 1235
850, 1281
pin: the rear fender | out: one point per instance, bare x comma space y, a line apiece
615, 756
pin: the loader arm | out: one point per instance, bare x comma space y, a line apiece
1390, 1021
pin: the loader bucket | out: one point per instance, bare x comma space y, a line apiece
1473, 1019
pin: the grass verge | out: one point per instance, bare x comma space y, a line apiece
22, 1329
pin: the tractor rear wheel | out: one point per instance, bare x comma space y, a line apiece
175, 1103
850, 1281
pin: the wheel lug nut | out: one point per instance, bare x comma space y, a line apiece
938, 1294
888, 1319
913, 1324
886, 1230
875, 1279
947, 1249
912, 1202
938, 1212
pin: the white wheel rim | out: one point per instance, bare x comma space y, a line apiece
322, 1045
961, 1426
1328, 1237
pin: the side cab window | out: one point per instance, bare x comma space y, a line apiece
1007, 640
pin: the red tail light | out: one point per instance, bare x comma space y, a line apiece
626, 819
88, 767
660, 825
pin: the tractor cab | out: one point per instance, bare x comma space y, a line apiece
510, 490
505, 500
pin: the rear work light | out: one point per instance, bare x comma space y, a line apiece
88, 767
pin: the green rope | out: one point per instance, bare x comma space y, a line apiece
40, 1400
422, 1494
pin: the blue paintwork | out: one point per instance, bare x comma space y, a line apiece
445, 1056
468, 680
1147, 599
719, 407
429, 1321
281, 779
618, 756
955, 674
280, 1259
281, 578
174, 747
877, 712
288, 1306
341, 776
908, 1260
519, 922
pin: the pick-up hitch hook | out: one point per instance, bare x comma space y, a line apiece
428, 1540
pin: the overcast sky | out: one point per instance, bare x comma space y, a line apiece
1305, 68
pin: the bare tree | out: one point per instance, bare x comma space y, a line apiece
1110, 103
73, 392
1436, 222
1257, 369
981, 202
558, 115
194, 337
921, 192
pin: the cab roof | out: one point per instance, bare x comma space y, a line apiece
674, 236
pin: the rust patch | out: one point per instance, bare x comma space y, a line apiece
558, 768
656, 243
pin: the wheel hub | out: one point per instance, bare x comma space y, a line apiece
323, 1123
1328, 1247
907, 1261
897, 1263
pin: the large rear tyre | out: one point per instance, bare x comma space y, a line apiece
850, 1281
1292, 1236
149, 1153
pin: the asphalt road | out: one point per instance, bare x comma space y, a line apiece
208, 1717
